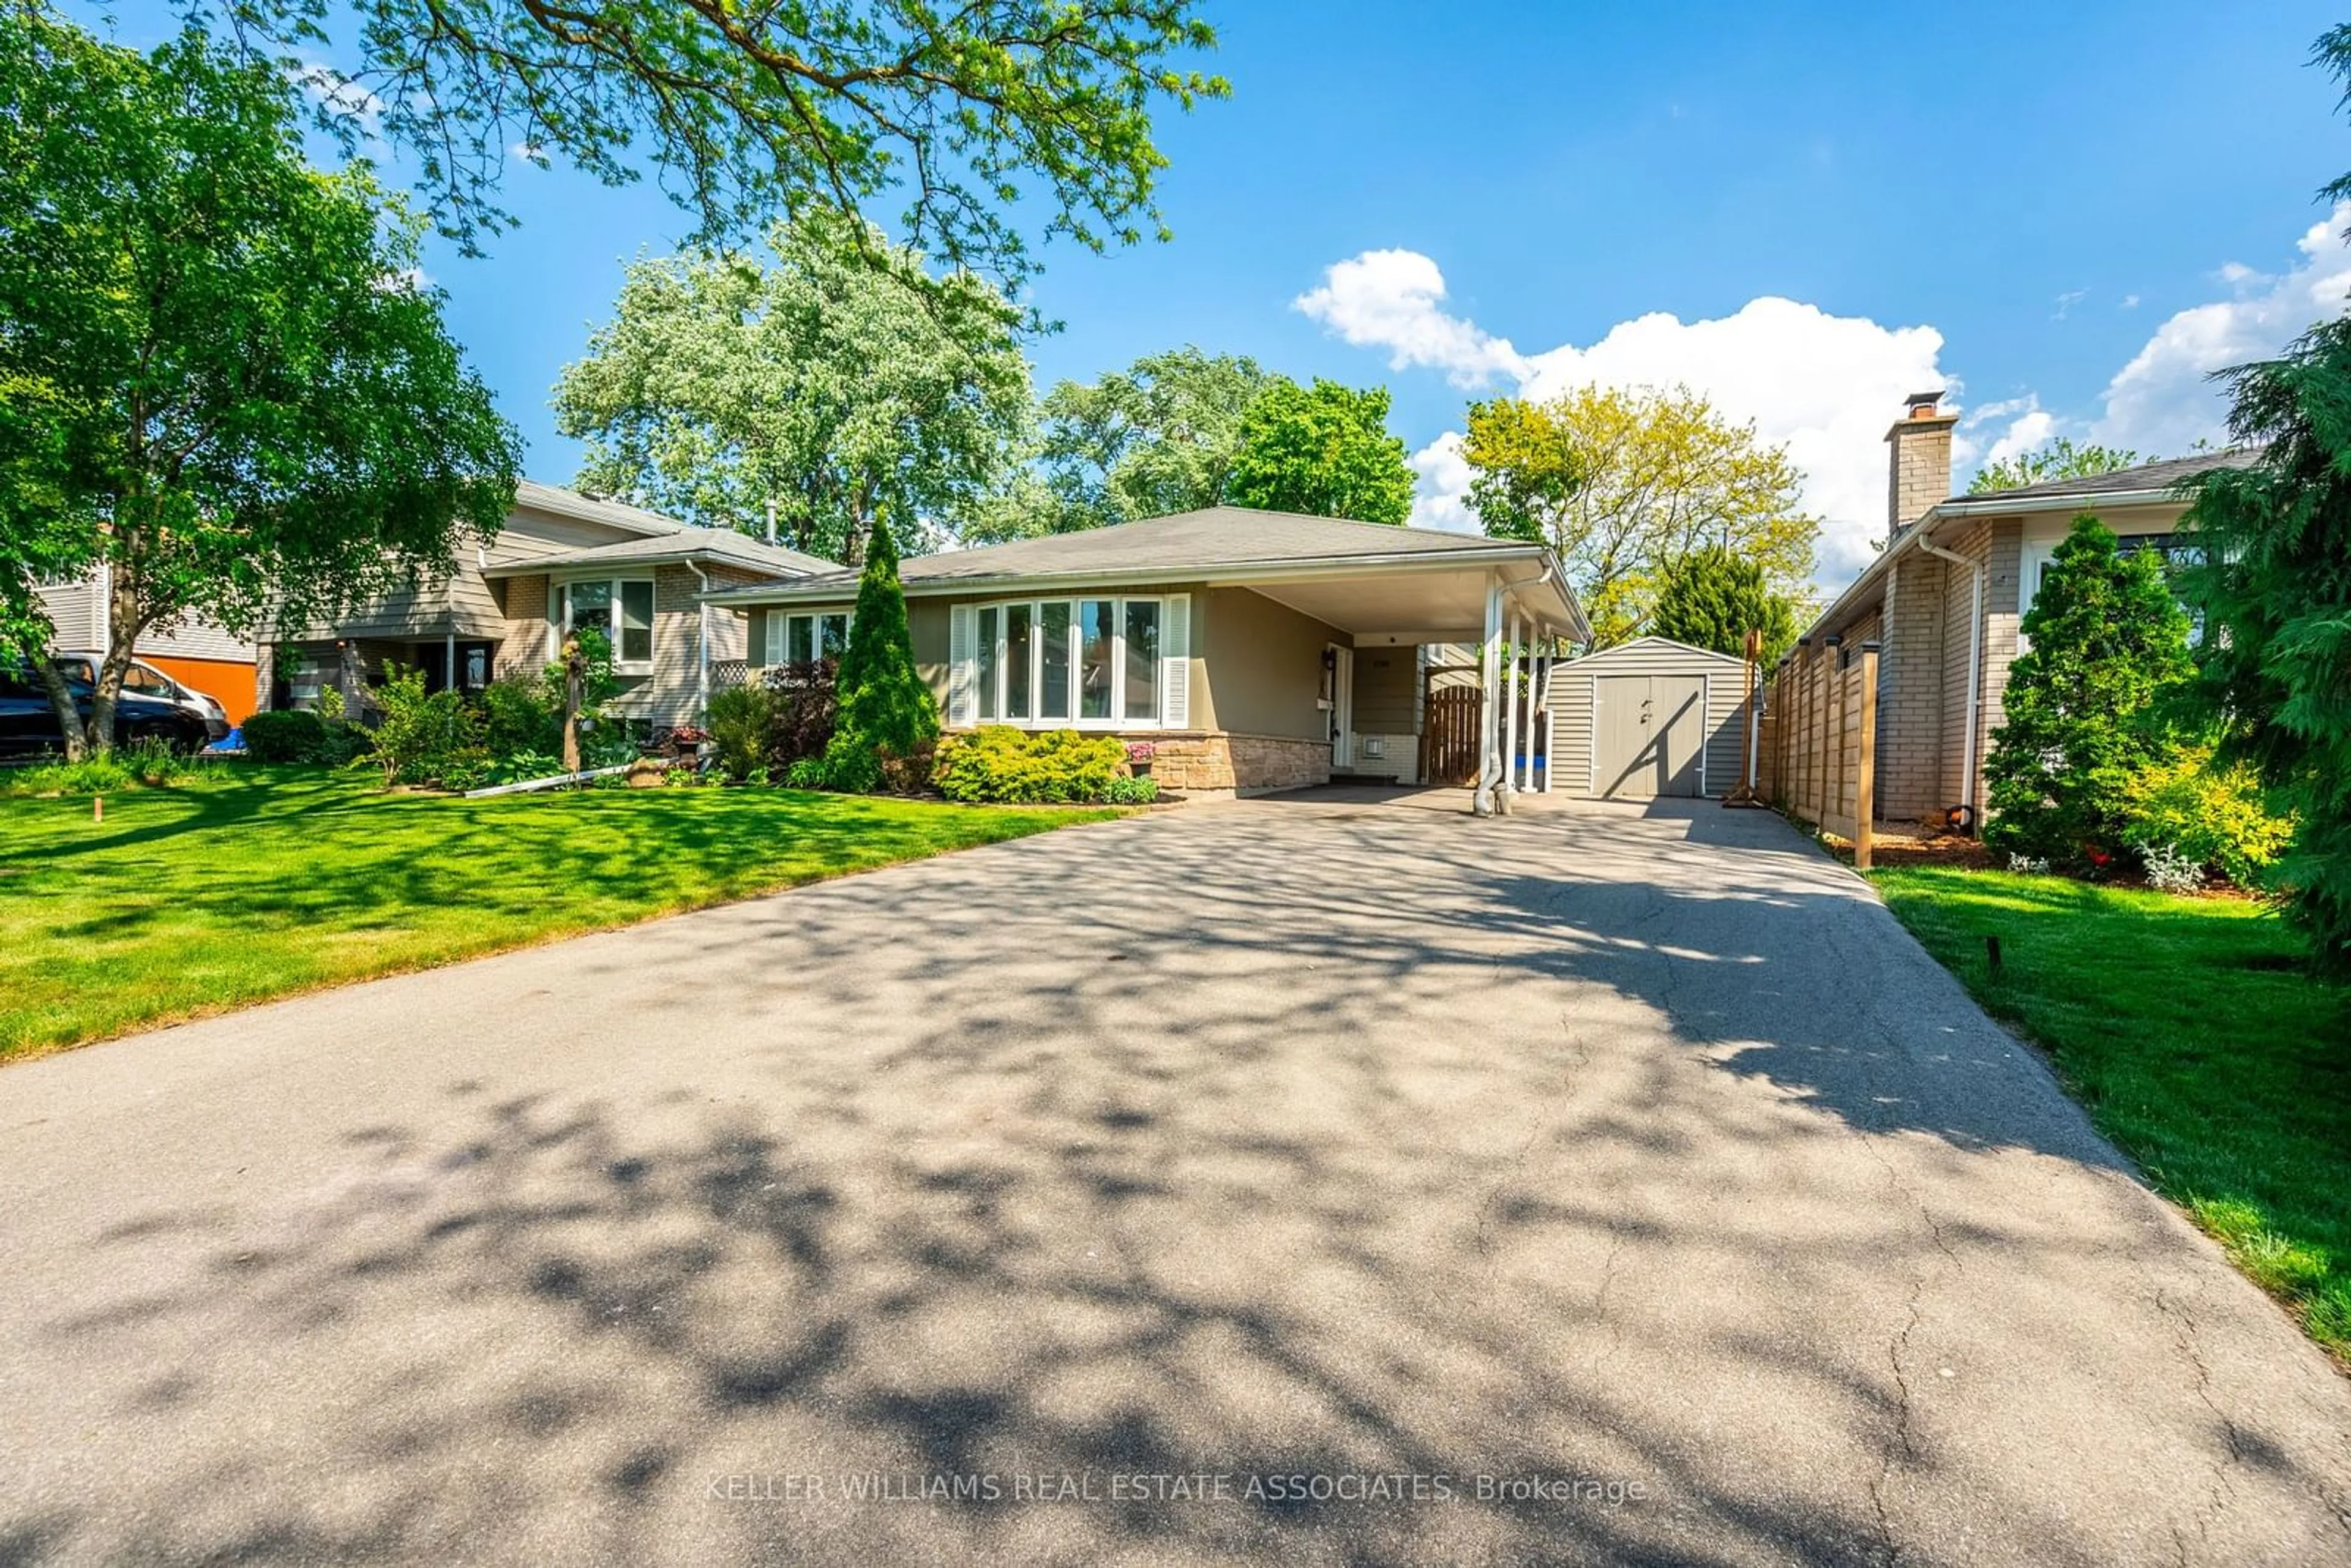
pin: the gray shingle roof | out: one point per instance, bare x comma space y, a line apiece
719, 546
2146, 477
1213, 540
593, 508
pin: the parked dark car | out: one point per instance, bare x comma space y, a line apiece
28, 723
145, 680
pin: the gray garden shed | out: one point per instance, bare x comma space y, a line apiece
1648, 717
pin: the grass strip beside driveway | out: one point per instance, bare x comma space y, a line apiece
2199, 1044
256, 882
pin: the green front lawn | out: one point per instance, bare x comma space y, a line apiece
259, 882
2199, 1045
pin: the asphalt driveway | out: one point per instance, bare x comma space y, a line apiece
1294, 1182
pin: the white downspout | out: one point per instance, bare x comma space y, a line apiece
1975, 670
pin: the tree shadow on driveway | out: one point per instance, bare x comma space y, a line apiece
1422, 1189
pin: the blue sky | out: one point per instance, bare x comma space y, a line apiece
2021, 200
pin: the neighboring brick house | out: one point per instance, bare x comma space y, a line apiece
1246, 650
561, 560
1944, 598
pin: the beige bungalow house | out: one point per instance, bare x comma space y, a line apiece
1247, 651
1945, 596
561, 561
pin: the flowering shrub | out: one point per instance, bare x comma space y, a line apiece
2216, 816
2030, 865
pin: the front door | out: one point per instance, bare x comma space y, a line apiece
1647, 733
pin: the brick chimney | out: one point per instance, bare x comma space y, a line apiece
1919, 472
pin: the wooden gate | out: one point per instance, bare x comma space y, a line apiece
1454, 734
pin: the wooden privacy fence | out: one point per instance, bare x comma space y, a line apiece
1818, 751
1454, 733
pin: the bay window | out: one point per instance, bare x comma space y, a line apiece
802, 639
621, 610
1087, 663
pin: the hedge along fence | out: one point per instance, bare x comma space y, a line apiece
1818, 751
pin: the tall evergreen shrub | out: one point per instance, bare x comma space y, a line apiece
2108, 640
888, 721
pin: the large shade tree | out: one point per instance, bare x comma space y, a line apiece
1620, 483
1154, 438
2272, 587
2061, 458
225, 384
809, 379
1323, 449
2273, 590
965, 113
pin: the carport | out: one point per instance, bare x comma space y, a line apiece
1519, 616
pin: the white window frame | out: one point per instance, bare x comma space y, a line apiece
776, 639
562, 589
1118, 717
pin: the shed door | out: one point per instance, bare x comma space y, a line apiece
1647, 733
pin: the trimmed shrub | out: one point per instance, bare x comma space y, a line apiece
299, 736
1003, 766
1129, 790
522, 716
741, 718
804, 711
2210, 814
423, 738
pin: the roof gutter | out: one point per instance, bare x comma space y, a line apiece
1916, 535
1305, 569
1994, 506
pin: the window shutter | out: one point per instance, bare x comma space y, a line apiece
1175, 662
962, 707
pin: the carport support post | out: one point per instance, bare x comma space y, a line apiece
1864, 798
1511, 707
1490, 660
1549, 719
1534, 686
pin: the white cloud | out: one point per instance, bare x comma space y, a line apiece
2066, 301
1443, 499
1825, 386
2130, 302
1390, 299
2163, 401
2021, 424
342, 95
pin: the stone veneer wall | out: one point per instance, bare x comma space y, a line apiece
1266, 762
1195, 762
